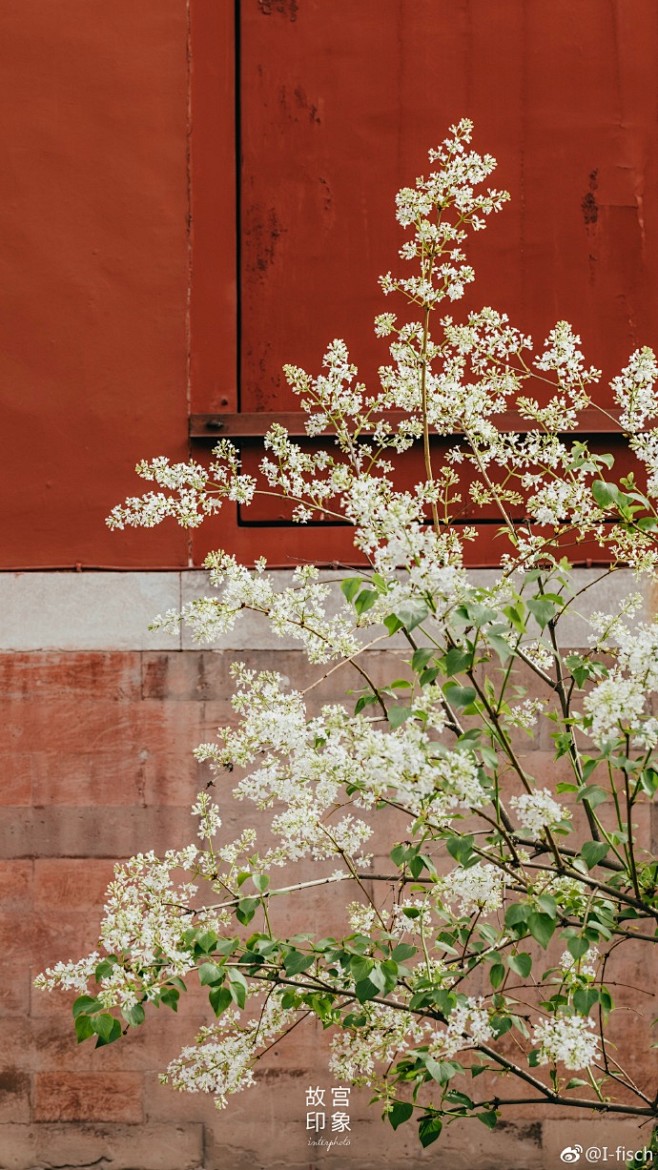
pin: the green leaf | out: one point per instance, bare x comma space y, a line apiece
220, 998
542, 928
522, 963
459, 1098
461, 848
459, 697
360, 967
245, 909
584, 999
207, 941
489, 1118
399, 854
501, 1025
547, 904
592, 794
593, 852
403, 951
261, 882
441, 1071
210, 973
83, 1028
606, 495
517, 914
170, 997
85, 1004
416, 865
501, 647
392, 624
496, 975
365, 990
542, 609
649, 780
350, 587
295, 962
577, 947
105, 968
365, 701
516, 615
365, 600
419, 661
134, 1015
456, 660
400, 1112
429, 1128
237, 986
106, 1028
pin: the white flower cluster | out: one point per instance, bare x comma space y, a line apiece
305, 765
568, 1040
587, 965
71, 976
538, 810
145, 916
476, 890
634, 390
146, 912
411, 916
222, 1059
468, 1026
298, 611
208, 813
196, 495
617, 705
388, 1033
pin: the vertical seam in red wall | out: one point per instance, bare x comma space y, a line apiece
238, 203
189, 231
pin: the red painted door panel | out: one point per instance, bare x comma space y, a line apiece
339, 104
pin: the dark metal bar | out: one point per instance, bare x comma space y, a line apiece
253, 425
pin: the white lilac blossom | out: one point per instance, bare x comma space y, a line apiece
387, 1034
538, 810
468, 1026
222, 1059
574, 969
411, 916
477, 890
615, 707
568, 1040
71, 976
634, 390
298, 611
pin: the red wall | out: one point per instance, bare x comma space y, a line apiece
93, 203
340, 103
118, 222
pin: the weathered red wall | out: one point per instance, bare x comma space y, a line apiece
340, 103
93, 204
117, 216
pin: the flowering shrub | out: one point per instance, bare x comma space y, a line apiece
487, 952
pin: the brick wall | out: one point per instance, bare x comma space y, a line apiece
96, 764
